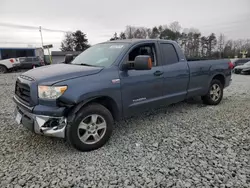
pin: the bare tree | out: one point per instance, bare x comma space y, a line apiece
212, 41
175, 26
129, 31
140, 33
136, 32
229, 50
204, 46
221, 44
190, 39
149, 32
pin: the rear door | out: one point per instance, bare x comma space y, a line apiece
25, 62
141, 89
176, 74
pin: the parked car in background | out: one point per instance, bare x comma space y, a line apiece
7, 65
244, 69
59, 56
239, 61
30, 62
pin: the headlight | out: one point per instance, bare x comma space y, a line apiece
51, 92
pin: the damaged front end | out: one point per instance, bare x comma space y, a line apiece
50, 126
40, 124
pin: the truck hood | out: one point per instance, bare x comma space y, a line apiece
52, 74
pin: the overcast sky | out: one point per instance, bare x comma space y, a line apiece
99, 19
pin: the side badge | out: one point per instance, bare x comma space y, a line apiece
115, 81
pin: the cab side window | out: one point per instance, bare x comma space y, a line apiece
169, 54
148, 49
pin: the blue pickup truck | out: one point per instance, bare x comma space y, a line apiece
80, 99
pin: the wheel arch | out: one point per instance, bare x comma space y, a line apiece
219, 77
106, 101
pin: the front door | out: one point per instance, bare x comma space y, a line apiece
141, 89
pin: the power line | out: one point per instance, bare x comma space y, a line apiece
5, 42
29, 27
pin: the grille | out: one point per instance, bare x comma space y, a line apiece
23, 91
27, 78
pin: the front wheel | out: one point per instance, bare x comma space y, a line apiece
215, 93
3, 69
91, 128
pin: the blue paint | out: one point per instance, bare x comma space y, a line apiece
138, 90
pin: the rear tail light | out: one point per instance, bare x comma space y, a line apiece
230, 65
12, 60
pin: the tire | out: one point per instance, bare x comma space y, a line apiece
3, 69
84, 127
214, 99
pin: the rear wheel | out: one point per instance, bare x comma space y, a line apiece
91, 128
3, 69
215, 93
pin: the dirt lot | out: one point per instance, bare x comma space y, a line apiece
183, 145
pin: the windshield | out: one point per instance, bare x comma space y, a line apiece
102, 55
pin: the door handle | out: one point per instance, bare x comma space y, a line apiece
158, 73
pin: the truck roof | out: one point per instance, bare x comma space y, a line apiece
133, 41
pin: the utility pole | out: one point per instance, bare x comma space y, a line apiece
221, 41
40, 30
130, 32
48, 47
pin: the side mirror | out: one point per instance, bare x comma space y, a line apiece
142, 62
68, 58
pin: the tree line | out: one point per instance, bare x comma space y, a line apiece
192, 42
75, 41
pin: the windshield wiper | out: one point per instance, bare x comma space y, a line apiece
85, 64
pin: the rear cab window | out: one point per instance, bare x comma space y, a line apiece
169, 54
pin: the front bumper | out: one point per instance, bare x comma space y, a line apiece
245, 71
53, 126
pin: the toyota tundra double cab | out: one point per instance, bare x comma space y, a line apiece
80, 99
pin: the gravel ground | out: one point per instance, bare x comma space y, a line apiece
183, 145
